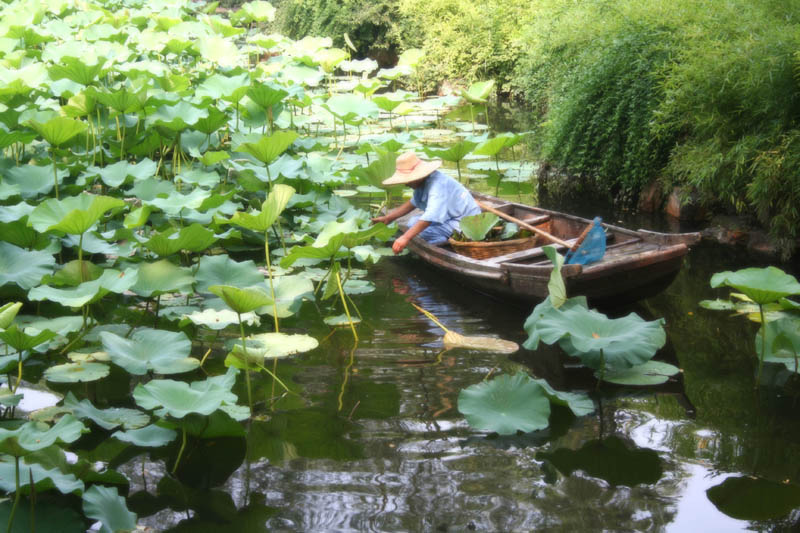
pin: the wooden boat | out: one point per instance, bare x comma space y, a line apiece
637, 264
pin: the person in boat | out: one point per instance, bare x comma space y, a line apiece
442, 200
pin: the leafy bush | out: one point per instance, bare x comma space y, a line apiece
370, 25
465, 41
697, 94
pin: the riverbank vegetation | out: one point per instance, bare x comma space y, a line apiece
702, 96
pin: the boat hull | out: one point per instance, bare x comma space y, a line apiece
637, 264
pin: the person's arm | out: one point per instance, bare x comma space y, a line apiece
403, 240
394, 214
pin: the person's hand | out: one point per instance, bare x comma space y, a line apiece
382, 219
399, 244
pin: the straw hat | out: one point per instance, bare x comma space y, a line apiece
409, 167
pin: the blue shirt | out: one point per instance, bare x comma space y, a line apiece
443, 200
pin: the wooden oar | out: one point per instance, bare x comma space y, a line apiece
522, 224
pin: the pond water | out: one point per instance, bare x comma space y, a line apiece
375, 441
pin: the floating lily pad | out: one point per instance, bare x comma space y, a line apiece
341, 320
649, 373
272, 345
505, 405
76, 372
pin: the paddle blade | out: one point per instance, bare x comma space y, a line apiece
593, 247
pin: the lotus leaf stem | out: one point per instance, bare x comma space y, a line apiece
246, 364
16, 495
763, 344
271, 285
180, 452
55, 168
344, 304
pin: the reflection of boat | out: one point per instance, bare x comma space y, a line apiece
636, 264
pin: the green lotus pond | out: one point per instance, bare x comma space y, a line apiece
200, 327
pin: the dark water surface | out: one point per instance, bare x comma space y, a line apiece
375, 442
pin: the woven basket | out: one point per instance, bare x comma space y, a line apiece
485, 250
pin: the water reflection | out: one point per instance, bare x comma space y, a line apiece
376, 443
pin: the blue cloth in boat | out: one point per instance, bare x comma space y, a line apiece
444, 201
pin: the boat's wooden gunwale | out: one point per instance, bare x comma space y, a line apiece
636, 259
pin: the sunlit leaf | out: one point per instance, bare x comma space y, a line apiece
164, 352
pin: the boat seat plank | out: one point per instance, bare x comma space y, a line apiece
524, 254
634, 243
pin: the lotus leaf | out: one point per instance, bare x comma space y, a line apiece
74, 215
23, 341
176, 117
105, 418
152, 436
32, 180
268, 147
106, 505
476, 227
115, 174
59, 130
62, 325
222, 270
266, 95
341, 320
194, 238
505, 405
600, 342
557, 291
351, 108
579, 403
64, 483
74, 273
164, 352
198, 177
782, 342
217, 319
273, 345
242, 300
161, 277
649, 373
76, 70
88, 292
272, 207
76, 372
478, 92
178, 399
290, 291
23, 267
219, 50
8, 312
762, 285
32, 436
177, 202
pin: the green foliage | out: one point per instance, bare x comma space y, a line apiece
371, 26
700, 95
465, 40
